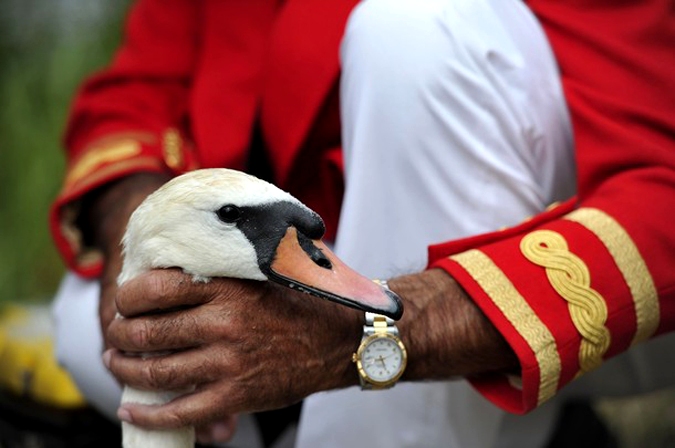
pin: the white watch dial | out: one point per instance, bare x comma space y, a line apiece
381, 359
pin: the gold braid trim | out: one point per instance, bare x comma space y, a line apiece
630, 263
519, 313
571, 278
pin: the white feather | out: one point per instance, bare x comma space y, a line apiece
176, 227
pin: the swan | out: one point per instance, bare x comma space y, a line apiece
220, 222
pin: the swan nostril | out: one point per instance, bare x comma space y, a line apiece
313, 252
321, 260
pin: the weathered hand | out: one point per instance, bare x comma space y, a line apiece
244, 345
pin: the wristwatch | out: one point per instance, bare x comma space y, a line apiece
381, 358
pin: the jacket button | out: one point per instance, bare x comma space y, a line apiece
173, 156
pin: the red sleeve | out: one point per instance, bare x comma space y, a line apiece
130, 117
588, 279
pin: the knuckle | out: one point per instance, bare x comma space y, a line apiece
219, 326
147, 375
174, 419
140, 335
209, 370
236, 366
151, 375
157, 290
165, 376
157, 373
197, 325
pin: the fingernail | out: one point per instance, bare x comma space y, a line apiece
124, 415
106, 357
220, 432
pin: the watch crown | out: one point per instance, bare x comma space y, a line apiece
354, 357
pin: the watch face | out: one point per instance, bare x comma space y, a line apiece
382, 359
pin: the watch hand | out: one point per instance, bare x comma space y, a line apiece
385, 357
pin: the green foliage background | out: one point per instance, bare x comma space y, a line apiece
43, 58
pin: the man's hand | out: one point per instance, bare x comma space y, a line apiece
248, 346
244, 345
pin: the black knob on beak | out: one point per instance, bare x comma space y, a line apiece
307, 222
314, 252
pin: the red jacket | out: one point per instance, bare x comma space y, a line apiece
571, 287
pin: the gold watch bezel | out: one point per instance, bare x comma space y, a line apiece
356, 358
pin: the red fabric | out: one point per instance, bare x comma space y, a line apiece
146, 87
616, 61
208, 69
301, 72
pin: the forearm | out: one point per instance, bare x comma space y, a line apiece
446, 334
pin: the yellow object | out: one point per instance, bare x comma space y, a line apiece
571, 278
633, 268
519, 313
28, 365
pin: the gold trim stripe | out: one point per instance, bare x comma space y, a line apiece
110, 170
626, 255
571, 279
519, 313
99, 155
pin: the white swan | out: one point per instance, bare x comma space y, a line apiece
224, 223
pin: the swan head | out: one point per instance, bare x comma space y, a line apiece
225, 223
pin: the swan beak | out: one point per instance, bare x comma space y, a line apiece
311, 267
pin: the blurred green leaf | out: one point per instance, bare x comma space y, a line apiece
39, 73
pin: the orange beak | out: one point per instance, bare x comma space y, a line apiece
317, 271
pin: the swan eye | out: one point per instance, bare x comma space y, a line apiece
229, 213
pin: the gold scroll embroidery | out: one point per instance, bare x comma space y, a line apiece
571, 278
630, 263
519, 313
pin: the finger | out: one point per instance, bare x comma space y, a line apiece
160, 289
195, 409
218, 432
106, 311
169, 331
175, 371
